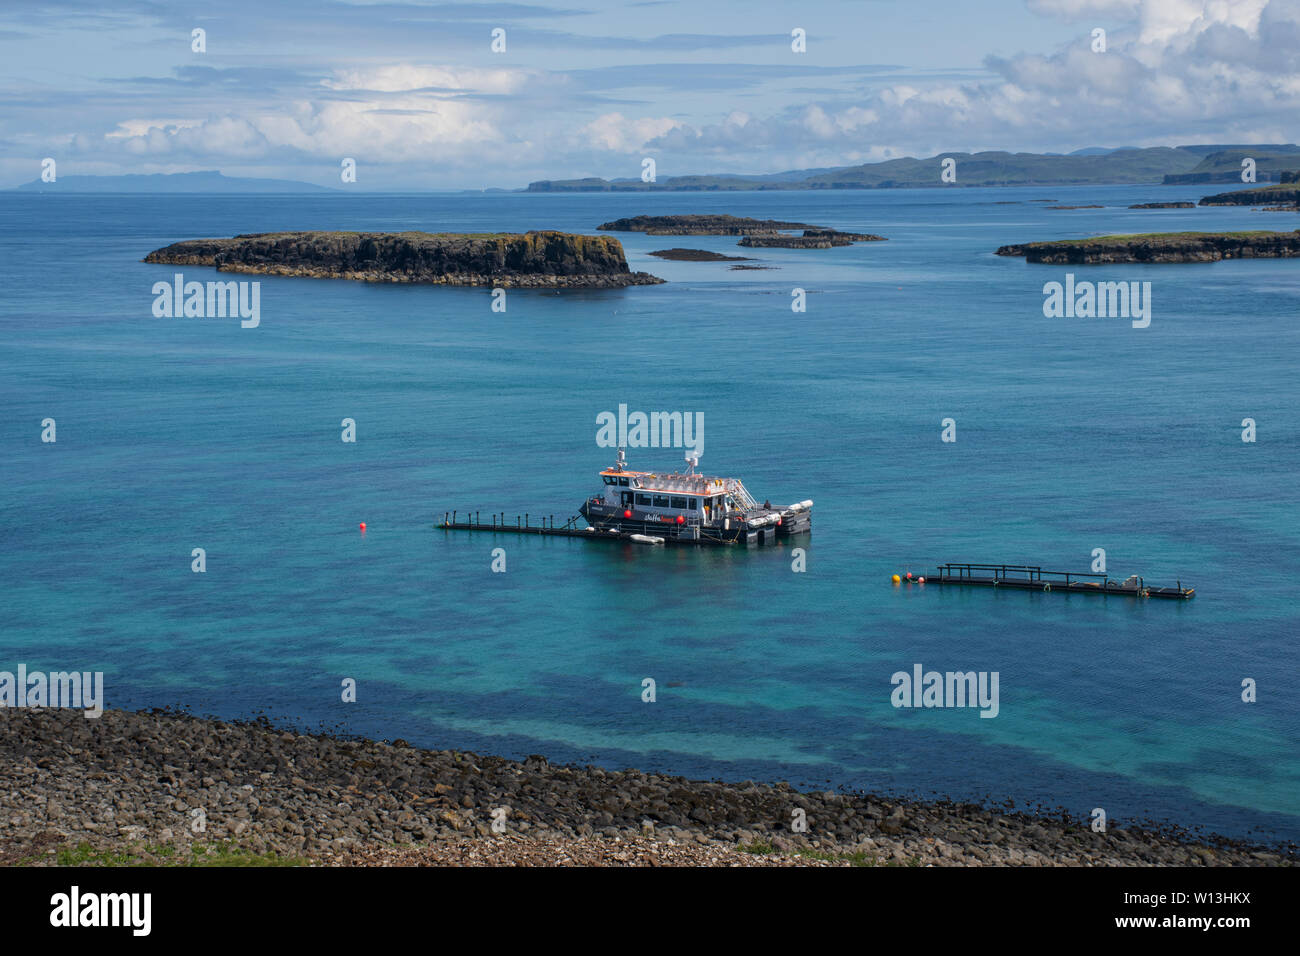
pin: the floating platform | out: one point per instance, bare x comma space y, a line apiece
1024, 577
633, 532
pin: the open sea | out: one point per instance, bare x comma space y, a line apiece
1072, 434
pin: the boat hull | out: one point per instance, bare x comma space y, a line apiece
606, 519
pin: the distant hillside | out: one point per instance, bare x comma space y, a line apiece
208, 181
1224, 165
1093, 165
1014, 169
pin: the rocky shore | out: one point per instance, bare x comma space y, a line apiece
531, 260
1160, 247
165, 787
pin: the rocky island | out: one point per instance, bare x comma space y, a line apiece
695, 255
1160, 247
700, 225
1262, 196
768, 233
1163, 205
532, 260
811, 239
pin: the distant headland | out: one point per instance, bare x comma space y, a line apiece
206, 181
1168, 165
528, 260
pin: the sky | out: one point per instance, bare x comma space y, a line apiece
415, 93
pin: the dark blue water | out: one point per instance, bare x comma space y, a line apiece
1073, 434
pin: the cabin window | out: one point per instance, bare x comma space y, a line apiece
692, 504
623, 482
679, 504
661, 501
627, 498
608, 480
643, 499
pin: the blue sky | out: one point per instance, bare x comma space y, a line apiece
414, 93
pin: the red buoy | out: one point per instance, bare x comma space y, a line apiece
627, 514
363, 527
681, 519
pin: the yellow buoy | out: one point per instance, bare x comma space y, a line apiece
897, 579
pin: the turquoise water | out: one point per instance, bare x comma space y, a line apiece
1073, 434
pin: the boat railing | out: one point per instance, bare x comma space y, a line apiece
737, 490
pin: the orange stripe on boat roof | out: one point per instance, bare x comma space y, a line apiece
654, 474
686, 493
657, 474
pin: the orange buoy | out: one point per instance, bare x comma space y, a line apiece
897, 579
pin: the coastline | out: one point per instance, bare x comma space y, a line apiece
164, 787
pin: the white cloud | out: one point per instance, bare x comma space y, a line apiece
1184, 71
617, 133
403, 77
1174, 71
390, 117
1077, 9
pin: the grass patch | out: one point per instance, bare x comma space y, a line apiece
200, 854
758, 847
856, 858
84, 854
227, 854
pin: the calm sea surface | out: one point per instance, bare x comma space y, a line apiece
1072, 434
